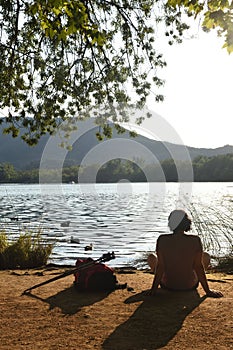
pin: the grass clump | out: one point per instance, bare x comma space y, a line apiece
28, 251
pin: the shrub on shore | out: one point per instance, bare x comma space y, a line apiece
28, 251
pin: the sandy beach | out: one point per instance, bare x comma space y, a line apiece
56, 316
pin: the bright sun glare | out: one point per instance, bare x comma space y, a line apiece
198, 97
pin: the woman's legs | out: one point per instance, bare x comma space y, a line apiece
205, 260
152, 261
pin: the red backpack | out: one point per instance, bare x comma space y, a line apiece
94, 276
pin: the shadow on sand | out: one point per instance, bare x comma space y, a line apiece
155, 322
70, 301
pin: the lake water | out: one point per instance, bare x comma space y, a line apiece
125, 218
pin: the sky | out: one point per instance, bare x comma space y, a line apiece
198, 91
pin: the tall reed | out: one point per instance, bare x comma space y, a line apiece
215, 227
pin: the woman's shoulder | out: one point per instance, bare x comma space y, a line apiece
165, 236
194, 239
192, 236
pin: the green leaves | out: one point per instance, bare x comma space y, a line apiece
63, 59
67, 58
11, 130
61, 19
216, 14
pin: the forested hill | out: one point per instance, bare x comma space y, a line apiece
205, 169
22, 156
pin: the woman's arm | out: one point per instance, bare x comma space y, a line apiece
158, 274
199, 269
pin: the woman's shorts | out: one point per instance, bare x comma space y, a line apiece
179, 290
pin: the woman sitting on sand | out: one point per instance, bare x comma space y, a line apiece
179, 263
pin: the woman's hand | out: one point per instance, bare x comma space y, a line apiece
214, 294
152, 291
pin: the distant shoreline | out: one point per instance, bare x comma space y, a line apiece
202, 169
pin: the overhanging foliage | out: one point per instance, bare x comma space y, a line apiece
62, 59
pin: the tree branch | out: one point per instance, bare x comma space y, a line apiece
16, 31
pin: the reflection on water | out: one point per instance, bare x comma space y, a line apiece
124, 218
